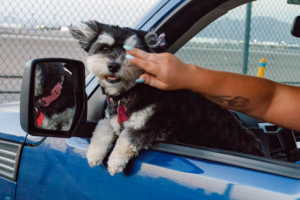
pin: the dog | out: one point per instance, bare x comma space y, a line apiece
139, 114
54, 100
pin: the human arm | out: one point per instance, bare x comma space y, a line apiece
257, 97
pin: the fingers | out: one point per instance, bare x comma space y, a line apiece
152, 57
153, 81
149, 67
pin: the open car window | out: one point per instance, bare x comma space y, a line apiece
220, 46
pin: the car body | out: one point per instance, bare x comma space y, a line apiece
33, 167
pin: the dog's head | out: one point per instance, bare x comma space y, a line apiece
106, 60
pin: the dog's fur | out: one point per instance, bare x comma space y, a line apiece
59, 114
181, 116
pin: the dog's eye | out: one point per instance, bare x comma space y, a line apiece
104, 48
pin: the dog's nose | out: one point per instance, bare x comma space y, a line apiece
114, 67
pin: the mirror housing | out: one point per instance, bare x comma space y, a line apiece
296, 27
72, 77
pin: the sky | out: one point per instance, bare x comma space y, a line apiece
121, 12
65, 12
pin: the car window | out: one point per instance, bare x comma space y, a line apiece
220, 46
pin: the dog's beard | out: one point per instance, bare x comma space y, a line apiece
98, 65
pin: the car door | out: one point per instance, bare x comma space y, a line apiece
57, 168
12, 138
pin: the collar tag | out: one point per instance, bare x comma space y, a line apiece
122, 114
39, 118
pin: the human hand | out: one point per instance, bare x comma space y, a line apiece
166, 71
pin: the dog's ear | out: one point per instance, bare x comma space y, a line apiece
86, 33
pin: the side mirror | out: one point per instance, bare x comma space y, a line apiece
296, 27
53, 100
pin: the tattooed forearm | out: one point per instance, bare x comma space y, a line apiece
232, 101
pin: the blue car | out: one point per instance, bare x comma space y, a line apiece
35, 166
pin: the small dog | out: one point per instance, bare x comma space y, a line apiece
54, 100
139, 114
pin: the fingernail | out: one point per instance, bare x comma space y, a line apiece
129, 48
129, 57
140, 80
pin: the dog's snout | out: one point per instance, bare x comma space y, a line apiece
114, 67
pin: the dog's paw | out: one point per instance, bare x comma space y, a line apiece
94, 158
116, 165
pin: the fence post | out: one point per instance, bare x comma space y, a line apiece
247, 38
262, 67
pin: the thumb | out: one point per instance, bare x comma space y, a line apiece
153, 81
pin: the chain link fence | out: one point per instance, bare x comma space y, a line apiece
32, 29
220, 46
37, 29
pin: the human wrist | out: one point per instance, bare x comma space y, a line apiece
191, 80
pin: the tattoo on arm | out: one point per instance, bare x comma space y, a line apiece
233, 102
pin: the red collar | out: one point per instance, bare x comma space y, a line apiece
54, 94
123, 101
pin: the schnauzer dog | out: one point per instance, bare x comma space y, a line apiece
54, 99
139, 114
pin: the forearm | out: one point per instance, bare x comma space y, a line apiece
247, 94
257, 97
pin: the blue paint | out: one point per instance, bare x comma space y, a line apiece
161, 14
7, 189
152, 11
10, 128
88, 79
262, 64
60, 165
90, 88
78, 143
34, 140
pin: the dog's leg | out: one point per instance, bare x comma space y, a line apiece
128, 145
131, 140
123, 151
103, 137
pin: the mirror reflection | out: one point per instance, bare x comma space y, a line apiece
54, 96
